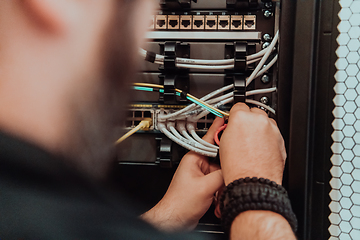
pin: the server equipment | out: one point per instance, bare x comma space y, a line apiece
203, 56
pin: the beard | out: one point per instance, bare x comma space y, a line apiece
91, 147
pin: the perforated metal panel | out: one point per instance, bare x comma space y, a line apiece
345, 182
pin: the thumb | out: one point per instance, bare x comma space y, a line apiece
213, 181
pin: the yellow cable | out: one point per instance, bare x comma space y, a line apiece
148, 85
189, 95
142, 125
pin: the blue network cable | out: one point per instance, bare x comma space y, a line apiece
149, 89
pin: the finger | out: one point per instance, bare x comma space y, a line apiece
239, 107
209, 136
213, 181
217, 211
217, 201
258, 111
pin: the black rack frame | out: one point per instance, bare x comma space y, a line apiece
307, 56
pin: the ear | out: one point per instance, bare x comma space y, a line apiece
51, 15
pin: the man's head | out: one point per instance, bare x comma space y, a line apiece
64, 65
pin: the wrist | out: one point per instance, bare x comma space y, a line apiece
255, 194
164, 218
232, 176
259, 224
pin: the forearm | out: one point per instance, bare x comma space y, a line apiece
259, 225
160, 219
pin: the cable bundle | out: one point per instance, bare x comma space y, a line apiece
221, 64
180, 126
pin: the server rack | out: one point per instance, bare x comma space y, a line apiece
306, 116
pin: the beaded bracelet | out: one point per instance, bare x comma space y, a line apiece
255, 194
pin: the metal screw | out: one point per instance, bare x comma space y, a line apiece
267, 14
268, 5
264, 100
267, 37
265, 45
265, 79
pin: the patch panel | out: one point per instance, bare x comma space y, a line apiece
224, 22
236, 22
161, 22
201, 22
198, 22
186, 22
211, 22
249, 22
173, 22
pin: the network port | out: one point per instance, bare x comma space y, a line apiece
249, 22
135, 116
173, 22
236, 22
223, 22
204, 123
185, 22
161, 21
198, 22
211, 22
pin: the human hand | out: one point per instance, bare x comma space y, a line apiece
190, 193
251, 146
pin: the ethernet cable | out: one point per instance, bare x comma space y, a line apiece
197, 110
151, 87
196, 63
226, 64
229, 100
205, 67
190, 126
267, 67
263, 60
171, 126
159, 59
161, 126
182, 129
142, 125
193, 106
222, 100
